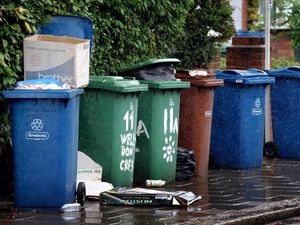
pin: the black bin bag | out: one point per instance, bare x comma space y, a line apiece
156, 69
185, 165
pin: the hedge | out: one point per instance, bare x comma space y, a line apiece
124, 31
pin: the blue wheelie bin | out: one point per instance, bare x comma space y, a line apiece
237, 137
286, 111
69, 25
45, 143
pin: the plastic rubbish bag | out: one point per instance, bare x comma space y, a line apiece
185, 165
161, 71
41, 84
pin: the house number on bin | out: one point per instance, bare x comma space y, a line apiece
170, 128
128, 140
170, 122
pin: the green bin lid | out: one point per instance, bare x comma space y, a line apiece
116, 84
169, 84
150, 62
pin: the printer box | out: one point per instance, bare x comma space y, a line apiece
64, 58
147, 197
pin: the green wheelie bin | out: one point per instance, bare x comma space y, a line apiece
157, 131
158, 119
107, 127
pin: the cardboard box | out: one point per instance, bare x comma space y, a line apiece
64, 58
87, 168
147, 197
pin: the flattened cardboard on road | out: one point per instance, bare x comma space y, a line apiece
147, 197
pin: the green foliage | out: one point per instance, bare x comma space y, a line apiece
282, 62
124, 31
294, 23
197, 48
253, 15
14, 26
131, 31
279, 14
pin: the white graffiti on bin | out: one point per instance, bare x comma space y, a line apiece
170, 131
170, 122
141, 128
128, 141
169, 149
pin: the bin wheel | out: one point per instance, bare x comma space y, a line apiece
270, 150
81, 193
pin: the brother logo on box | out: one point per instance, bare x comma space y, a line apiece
64, 58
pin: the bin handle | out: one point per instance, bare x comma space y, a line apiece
218, 82
295, 68
258, 71
130, 78
258, 81
241, 72
230, 72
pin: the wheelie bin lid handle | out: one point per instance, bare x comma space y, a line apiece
251, 76
288, 72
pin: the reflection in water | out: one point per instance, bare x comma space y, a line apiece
70, 216
223, 190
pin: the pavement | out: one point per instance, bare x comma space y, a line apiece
268, 195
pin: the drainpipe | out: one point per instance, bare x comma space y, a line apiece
268, 111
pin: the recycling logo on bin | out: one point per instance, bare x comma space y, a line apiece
257, 110
170, 128
36, 134
128, 140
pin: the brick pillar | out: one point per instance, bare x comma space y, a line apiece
215, 64
245, 53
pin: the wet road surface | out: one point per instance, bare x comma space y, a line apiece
223, 191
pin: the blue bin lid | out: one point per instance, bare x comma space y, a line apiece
243, 33
72, 26
18, 94
288, 72
251, 76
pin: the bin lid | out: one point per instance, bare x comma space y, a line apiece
251, 76
199, 77
116, 84
148, 63
288, 72
25, 93
243, 33
72, 26
166, 84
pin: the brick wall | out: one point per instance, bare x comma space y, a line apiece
245, 53
281, 44
215, 63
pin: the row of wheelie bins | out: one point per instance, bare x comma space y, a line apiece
133, 127
129, 127
237, 136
